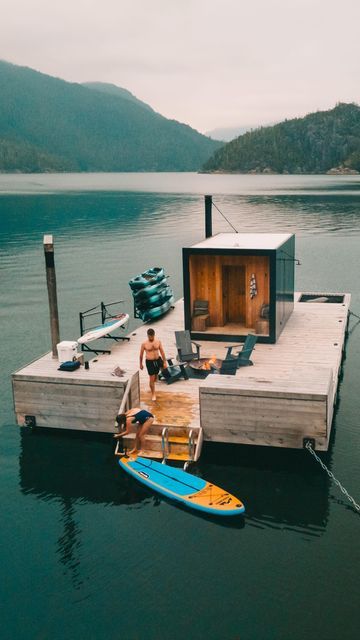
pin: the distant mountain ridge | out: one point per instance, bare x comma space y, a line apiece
321, 142
226, 134
47, 124
114, 90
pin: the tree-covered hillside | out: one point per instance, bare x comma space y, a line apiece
112, 89
316, 143
47, 124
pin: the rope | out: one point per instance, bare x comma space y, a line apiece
225, 218
351, 313
296, 260
332, 477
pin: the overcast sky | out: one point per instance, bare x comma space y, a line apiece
209, 63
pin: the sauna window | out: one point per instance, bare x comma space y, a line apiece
318, 297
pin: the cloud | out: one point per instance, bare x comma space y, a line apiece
206, 62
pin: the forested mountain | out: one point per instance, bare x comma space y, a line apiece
114, 90
318, 143
47, 124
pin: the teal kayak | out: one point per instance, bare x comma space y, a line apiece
156, 312
151, 276
150, 290
146, 303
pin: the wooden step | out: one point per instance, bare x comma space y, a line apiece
181, 432
179, 439
157, 455
154, 443
172, 429
177, 442
149, 452
178, 456
145, 453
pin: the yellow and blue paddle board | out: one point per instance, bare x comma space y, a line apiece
183, 487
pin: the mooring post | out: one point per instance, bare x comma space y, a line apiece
208, 216
51, 286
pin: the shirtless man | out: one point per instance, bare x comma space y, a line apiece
154, 359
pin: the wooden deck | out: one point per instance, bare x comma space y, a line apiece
287, 395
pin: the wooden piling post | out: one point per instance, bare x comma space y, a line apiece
208, 216
51, 286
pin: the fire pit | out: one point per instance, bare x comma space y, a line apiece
206, 365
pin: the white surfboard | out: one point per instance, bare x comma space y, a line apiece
104, 329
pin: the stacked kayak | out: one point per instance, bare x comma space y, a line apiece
151, 276
152, 295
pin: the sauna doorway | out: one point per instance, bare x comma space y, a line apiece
233, 294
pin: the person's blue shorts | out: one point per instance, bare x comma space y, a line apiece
142, 416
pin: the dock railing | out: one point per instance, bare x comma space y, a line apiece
124, 406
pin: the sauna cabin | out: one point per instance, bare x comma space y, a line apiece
239, 283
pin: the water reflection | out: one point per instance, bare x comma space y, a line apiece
95, 217
69, 543
74, 217
174, 183
73, 467
304, 213
280, 488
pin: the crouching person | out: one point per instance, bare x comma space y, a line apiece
142, 419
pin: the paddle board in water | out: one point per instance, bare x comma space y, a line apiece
104, 329
183, 487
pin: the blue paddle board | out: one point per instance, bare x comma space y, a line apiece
183, 487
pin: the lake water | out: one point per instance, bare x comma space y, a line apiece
88, 553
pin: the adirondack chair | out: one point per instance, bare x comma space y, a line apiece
242, 357
184, 347
173, 372
228, 366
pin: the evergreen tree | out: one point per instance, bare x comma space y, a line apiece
314, 144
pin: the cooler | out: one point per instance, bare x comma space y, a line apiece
67, 350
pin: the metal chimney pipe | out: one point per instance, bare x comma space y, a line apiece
208, 216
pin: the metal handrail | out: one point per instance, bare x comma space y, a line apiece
117, 452
191, 445
122, 407
165, 444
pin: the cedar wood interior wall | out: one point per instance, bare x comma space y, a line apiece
206, 283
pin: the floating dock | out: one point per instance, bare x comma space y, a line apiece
287, 396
